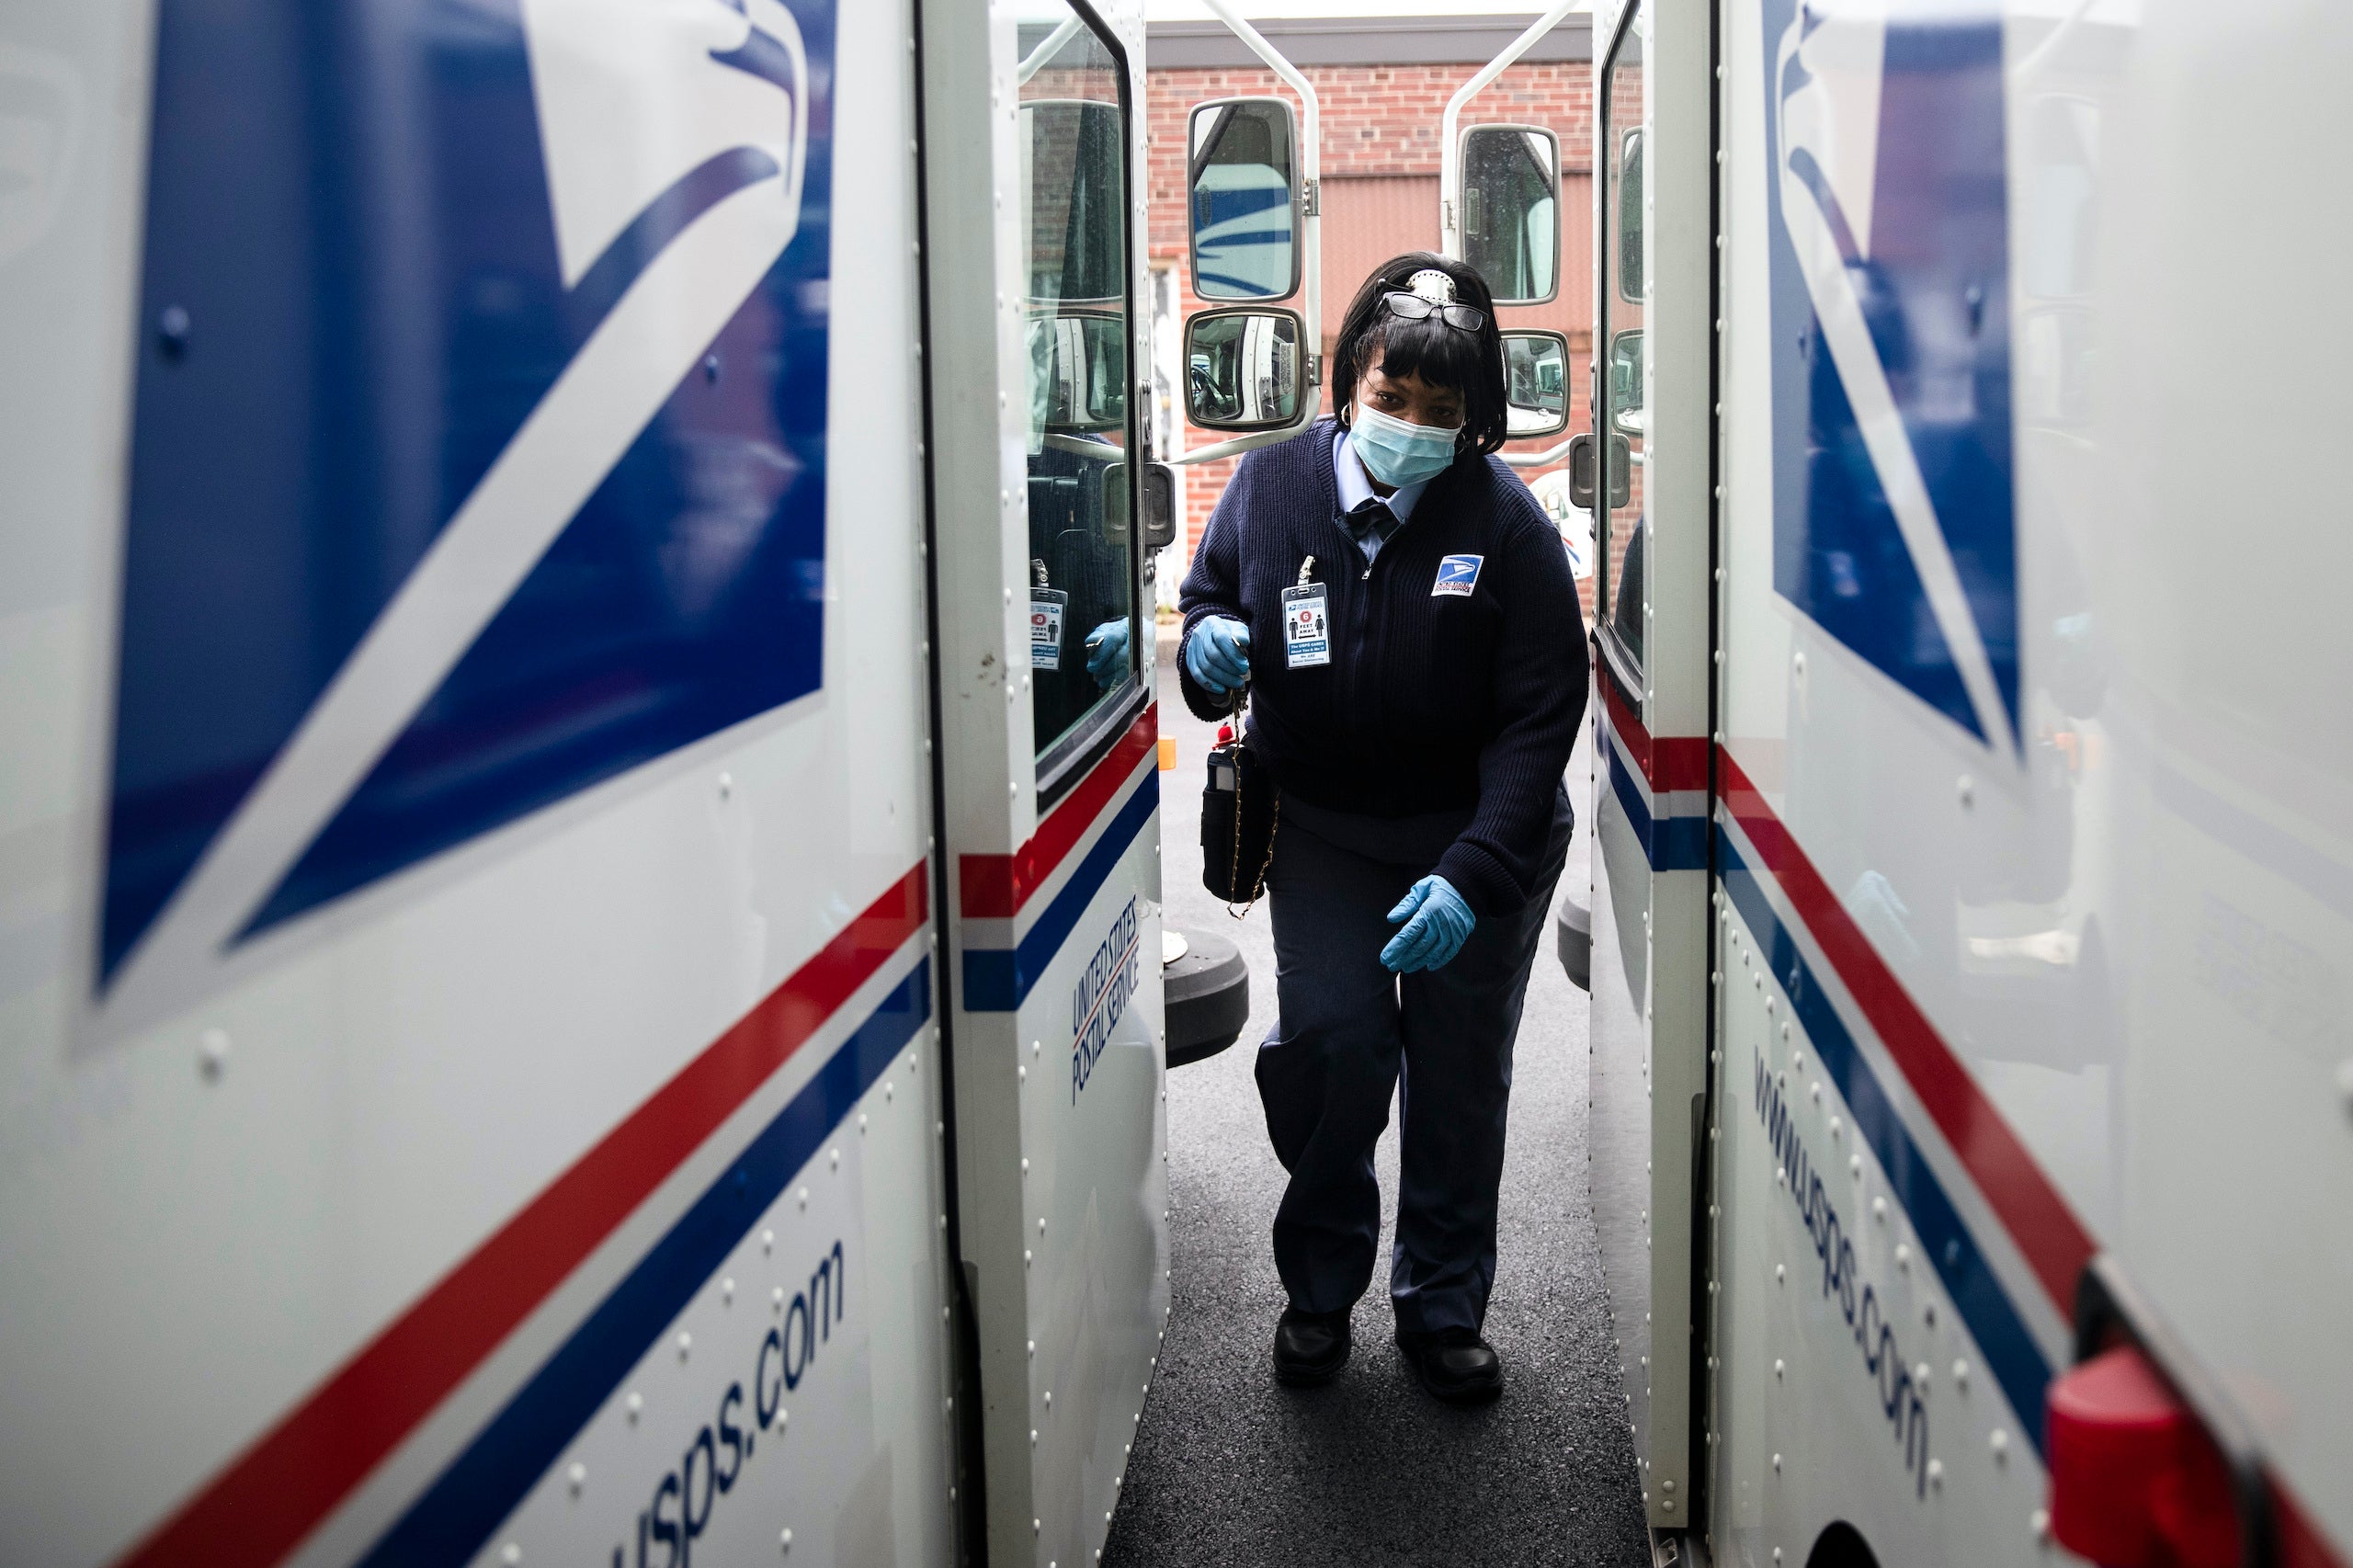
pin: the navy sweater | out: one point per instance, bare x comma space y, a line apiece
1431, 702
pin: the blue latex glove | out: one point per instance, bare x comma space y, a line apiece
1107, 653
1218, 654
1437, 924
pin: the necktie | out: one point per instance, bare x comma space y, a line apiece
1373, 518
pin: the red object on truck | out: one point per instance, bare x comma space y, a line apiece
2135, 1482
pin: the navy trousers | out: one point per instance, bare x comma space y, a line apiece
1351, 1032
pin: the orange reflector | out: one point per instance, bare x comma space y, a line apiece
1167, 752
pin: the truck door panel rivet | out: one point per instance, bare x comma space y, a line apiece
171, 332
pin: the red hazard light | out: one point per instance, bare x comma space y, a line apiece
2135, 1483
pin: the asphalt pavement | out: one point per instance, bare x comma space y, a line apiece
1230, 1467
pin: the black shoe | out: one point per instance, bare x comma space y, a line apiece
1310, 1347
1454, 1364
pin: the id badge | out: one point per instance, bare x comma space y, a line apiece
1307, 629
1046, 608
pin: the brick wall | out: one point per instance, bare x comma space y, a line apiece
1380, 126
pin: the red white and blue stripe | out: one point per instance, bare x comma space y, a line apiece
261, 1506
1018, 909
1661, 784
1886, 1059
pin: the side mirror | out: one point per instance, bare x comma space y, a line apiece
1626, 383
1078, 366
1511, 211
1536, 383
1241, 369
1243, 176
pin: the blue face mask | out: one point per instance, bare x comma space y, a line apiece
1397, 451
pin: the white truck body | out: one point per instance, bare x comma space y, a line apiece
1984, 686
503, 689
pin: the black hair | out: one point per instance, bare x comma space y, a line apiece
1471, 363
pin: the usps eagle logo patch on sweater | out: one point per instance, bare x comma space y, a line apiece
1457, 574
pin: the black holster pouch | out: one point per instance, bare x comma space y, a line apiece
1238, 812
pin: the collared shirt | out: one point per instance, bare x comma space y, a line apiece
1356, 492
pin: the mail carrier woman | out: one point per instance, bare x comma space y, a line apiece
1418, 745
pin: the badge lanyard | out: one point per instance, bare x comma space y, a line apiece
1307, 621
1047, 607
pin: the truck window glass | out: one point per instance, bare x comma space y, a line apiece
1084, 640
1624, 285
